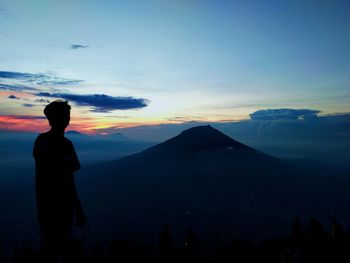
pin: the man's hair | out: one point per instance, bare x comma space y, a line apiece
56, 108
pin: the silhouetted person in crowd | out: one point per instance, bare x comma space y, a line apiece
165, 240
339, 245
336, 229
293, 251
316, 247
297, 232
315, 230
166, 249
57, 200
191, 246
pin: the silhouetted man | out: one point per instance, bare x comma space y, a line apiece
57, 199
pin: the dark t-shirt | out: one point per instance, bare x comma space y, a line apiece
55, 161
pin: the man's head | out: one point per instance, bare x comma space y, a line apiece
58, 114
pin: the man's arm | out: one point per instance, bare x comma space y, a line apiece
79, 212
75, 165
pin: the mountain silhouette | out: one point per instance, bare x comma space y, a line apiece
203, 141
117, 134
73, 132
205, 179
201, 138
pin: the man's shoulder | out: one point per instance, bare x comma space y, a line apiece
47, 138
66, 140
42, 137
39, 144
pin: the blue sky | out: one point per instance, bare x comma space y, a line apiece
185, 60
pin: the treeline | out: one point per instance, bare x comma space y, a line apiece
310, 243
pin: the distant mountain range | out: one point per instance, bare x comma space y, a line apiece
73, 132
117, 135
205, 180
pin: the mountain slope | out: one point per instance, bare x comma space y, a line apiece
200, 138
203, 141
202, 178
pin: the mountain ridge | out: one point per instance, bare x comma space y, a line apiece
204, 138
195, 141
235, 188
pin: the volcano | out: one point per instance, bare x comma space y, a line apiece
201, 138
197, 142
206, 180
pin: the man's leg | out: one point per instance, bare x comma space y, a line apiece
50, 246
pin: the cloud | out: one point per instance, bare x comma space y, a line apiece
183, 119
101, 102
15, 87
29, 123
23, 117
39, 79
77, 46
28, 105
42, 101
284, 114
13, 97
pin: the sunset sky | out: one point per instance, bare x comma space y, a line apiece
128, 63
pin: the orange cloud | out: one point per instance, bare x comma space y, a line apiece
32, 123
27, 123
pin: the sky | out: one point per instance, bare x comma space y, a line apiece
129, 63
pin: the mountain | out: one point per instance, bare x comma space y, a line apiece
197, 143
206, 180
201, 138
73, 132
117, 134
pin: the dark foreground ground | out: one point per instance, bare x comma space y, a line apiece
311, 243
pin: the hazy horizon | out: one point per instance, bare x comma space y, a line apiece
286, 134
